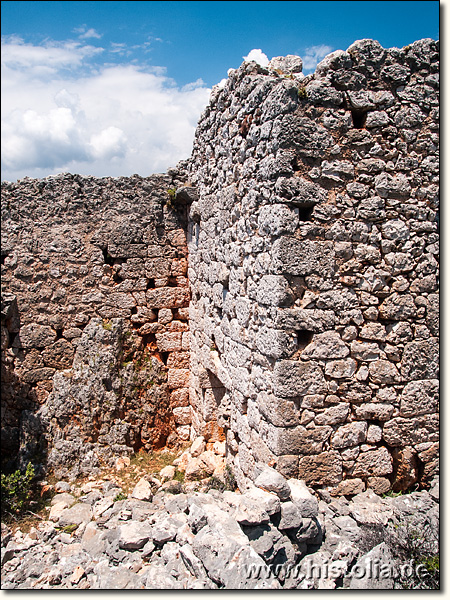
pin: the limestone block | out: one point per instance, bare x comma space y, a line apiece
383, 372
279, 411
374, 411
178, 378
401, 431
198, 446
348, 487
374, 434
349, 435
302, 257
365, 351
299, 192
333, 415
272, 290
373, 331
142, 490
277, 219
341, 369
380, 485
35, 336
134, 535
292, 378
398, 307
276, 343
270, 480
373, 463
168, 342
432, 317
77, 514
419, 398
303, 499
392, 186
326, 345
421, 360
182, 415
322, 469
294, 440
305, 319
167, 297
372, 209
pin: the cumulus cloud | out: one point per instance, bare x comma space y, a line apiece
313, 55
258, 56
85, 33
62, 112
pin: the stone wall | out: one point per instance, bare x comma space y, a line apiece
311, 211
313, 266
95, 319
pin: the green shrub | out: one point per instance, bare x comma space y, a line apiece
16, 490
120, 496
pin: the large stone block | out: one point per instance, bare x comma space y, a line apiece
401, 431
373, 462
323, 469
302, 257
349, 435
293, 378
168, 342
167, 297
421, 360
326, 345
302, 319
35, 336
419, 398
294, 440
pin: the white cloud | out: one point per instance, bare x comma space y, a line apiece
258, 56
313, 55
62, 113
86, 33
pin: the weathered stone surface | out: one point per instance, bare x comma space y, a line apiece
142, 490
323, 469
134, 535
419, 398
406, 431
311, 303
294, 257
421, 360
293, 379
77, 514
303, 499
374, 463
349, 435
270, 481
326, 345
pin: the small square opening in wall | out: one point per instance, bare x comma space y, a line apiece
305, 213
304, 337
359, 118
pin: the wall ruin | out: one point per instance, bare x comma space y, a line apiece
313, 267
312, 235
95, 322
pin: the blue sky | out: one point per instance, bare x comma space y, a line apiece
115, 88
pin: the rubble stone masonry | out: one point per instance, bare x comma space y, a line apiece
310, 206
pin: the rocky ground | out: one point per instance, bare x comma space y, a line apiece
161, 533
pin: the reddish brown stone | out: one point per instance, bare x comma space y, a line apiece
323, 469
406, 469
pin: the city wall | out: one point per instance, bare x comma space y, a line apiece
309, 208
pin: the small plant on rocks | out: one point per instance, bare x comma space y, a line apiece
16, 490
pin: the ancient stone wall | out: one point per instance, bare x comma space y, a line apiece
313, 266
95, 318
311, 211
